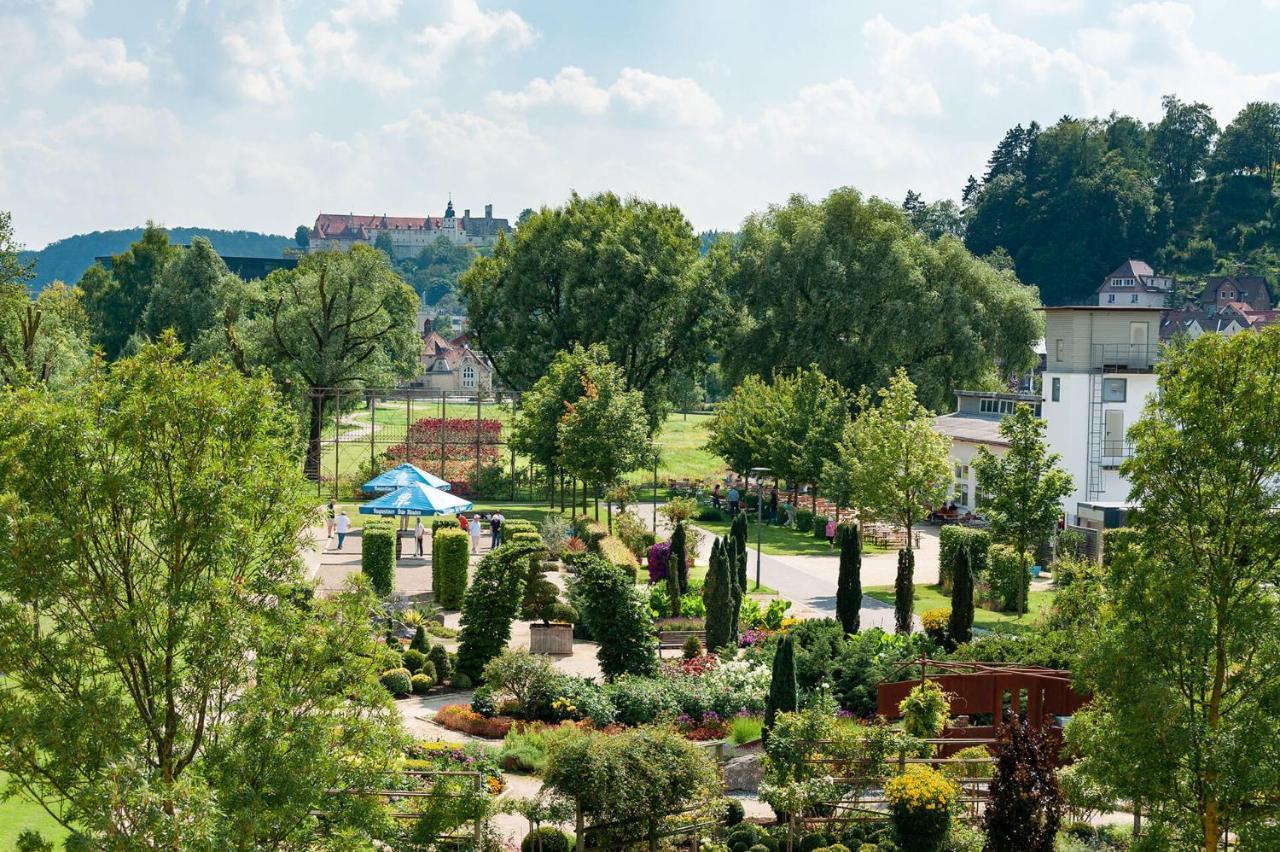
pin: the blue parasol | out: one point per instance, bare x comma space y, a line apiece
417, 499
402, 475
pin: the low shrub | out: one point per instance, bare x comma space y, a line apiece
460, 717
592, 534
745, 729
950, 540
692, 648
614, 551
921, 801
399, 682
1005, 575
734, 813
980, 768
522, 676
378, 555
438, 630
935, 623
421, 684
813, 842
413, 660
641, 700
820, 527
804, 520
514, 526
460, 680
546, 839
450, 549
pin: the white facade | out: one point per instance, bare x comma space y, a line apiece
1098, 376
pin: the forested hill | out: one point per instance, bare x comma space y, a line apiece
1073, 201
67, 259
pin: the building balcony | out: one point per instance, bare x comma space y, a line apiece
1124, 357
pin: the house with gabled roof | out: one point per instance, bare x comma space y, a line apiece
1134, 284
452, 366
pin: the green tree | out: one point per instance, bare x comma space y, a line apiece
1250, 144
1022, 490
158, 636
617, 614
302, 236
741, 431
1181, 143
811, 412
188, 293
783, 691
738, 533
963, 569
849, 580
717, 595
897, 467
116, 300
537, 427
677, 568
625, 274
835, 284
1190, 626
337, 321
42, 338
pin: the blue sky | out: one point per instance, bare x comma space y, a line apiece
259, 114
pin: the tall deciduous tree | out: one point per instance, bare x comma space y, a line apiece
188, 293
116, 299
1021, 491
897, 467
847, 284
742, 429
337, 321
625, 274
1185, 665
168, 682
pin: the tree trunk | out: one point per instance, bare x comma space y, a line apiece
608, 513
311, 467
1022, 583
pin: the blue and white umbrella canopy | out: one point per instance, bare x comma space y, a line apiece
402, 475
416, 499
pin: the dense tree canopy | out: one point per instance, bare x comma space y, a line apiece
849, 285
188, 293
157, 640
117, 299
1072, 202
1185, 664
624, 273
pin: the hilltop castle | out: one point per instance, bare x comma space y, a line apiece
408, 234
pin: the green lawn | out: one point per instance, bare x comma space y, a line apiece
782, 541
931, 597
20, 813
680, 451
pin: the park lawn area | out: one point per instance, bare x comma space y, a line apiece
680, 451
782, 541
931, 597
20, 813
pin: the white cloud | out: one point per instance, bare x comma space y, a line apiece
366, 11
49, 49
266, 65
467, 26
678, 101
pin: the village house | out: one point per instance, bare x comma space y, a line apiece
451, 366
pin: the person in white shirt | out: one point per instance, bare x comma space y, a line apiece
418, 532
342, 525
474, 529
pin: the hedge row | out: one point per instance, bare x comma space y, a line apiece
950, 540
516, 525
449, 556
1003, 576
378, 555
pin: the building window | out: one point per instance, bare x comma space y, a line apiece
1133, 299
1111, 298
1057, 390
1114, 390
468, 376
1057, 349
961, 497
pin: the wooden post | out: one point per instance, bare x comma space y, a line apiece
337, 414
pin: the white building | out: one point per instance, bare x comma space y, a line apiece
974, 424
409, 235
1135, 284
1099, 372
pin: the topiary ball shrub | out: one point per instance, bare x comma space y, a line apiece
413, 660
439, 658
399, 682
734, 813
692, 648
813, 842
460, 680
546, 839
820, 526
421, 684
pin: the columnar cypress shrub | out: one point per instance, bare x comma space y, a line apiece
903, 591
491, 603
782, 687
420, 642
733, 559
617, 614
1026, 803
717, 594
677, 569
450, 548
378, 555
950, 540
849, 583
738, 531
960, 624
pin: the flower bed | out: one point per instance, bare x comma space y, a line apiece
461, 718
438, 756
709, 727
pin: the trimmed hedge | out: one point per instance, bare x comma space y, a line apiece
525, 537
1002, 577
950, 539
398, 682
516, 525
378, 555
804, 520
449, 555
491, 603
615, 551
820, 527
595, 533
449, 521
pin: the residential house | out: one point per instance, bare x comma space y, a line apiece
453, 367
975, 424
1135, 283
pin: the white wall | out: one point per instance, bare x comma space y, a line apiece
963, 454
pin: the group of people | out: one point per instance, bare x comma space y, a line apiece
338, 523
732, 500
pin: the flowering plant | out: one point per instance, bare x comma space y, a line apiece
709, 727
658, 556
921, 800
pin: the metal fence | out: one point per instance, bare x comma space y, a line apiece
461, 438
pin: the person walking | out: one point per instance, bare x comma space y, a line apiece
474, 530
342, 525
419, 532
733, 500
831, 532
331, 513
462, 522
715, 496
773, 505
495, 529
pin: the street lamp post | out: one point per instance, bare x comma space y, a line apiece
655, 490
759, 472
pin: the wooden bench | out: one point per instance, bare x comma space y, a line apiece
673, 640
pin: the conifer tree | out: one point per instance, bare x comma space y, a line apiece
738, 531
849, 582
904, 591
782, 687
960, 624
717, 594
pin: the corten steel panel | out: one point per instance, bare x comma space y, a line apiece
1048, 693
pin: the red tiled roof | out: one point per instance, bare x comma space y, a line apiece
337, 224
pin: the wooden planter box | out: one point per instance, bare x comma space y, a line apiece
553, 639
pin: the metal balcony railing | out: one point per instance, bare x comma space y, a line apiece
1125, 357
